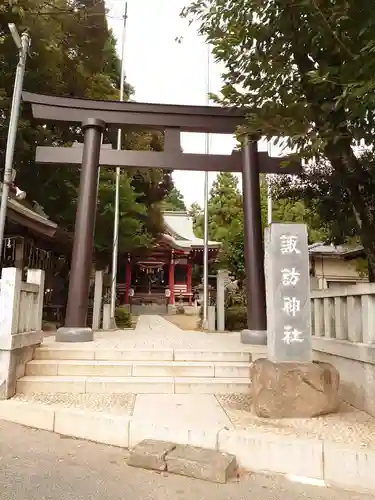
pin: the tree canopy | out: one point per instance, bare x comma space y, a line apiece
226, 222
74, 54
174, 201
305, 72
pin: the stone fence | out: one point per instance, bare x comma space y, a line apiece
21, 310
343, 328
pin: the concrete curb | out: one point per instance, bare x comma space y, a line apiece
337, 464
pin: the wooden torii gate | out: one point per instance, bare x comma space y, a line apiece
94, 117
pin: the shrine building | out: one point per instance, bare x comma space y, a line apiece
167, 266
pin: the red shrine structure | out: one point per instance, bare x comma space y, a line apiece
167, 266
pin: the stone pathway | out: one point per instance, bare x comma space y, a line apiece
155, 332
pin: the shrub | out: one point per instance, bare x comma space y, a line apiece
123, 317
236, 318
180, 309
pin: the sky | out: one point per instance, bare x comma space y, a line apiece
164, 71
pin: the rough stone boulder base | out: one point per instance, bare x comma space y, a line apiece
292, 390
209, 465
150, 454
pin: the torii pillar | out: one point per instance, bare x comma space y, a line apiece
256, 333
75, 329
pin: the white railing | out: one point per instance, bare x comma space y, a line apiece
21, 303
345, 314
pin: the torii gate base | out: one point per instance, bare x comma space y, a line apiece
171, 120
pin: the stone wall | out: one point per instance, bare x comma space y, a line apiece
21, 308
356, 365
12, 367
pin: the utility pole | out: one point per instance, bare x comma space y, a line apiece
23, 45
118, 174
205, 236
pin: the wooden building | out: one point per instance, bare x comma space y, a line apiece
167, 266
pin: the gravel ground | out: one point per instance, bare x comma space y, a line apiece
38, 465
118, 404
349, 425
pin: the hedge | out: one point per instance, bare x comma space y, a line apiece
123, 317
236, 318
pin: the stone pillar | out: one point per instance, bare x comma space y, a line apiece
98, 299
37, 277
221, 283
128, 279
189, 282
16, 348
288, 385
75, 329
288, 293
211, 319
171, 280
254, 255
10, 289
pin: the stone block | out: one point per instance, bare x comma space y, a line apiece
54, 354
293, 390
232, 370
288, 293
209, 355
151, 454
173, 369
32, 415
349, 467
41, 367
200, 463
30, 385
94, 426
174, 418
134, 355
260, 451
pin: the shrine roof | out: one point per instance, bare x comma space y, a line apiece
330, 250
41, 225
23, 215
179, 232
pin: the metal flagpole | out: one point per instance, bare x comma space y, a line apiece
23, 45
118, 173
205, 237
269, 191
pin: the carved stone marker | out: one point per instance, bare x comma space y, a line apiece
288, 385
288, 293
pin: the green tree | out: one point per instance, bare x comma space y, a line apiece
196, 213
305, 71
174, 201
74, 54
226, 221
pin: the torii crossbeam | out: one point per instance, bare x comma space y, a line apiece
95, 116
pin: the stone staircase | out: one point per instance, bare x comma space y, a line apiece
138, 371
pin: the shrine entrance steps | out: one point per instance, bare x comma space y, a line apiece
155, 358
74, 370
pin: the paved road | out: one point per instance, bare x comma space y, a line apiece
38, 465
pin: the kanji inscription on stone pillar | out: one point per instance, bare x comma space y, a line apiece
288, 293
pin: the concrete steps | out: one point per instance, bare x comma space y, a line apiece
80, 370
131, 354
92, 368
136, 385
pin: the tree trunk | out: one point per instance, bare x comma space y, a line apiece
359, 184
